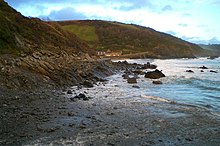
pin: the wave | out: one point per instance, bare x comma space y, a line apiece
157, 98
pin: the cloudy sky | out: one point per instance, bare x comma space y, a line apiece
196, 21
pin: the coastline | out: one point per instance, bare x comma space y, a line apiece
112, 116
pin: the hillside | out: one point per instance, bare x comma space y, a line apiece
215, 48
35, 54
22, 35
131, 39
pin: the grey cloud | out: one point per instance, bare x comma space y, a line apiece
66, 14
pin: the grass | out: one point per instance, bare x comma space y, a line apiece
87, 33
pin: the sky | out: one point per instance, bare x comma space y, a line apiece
196, 21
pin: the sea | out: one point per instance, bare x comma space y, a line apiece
199, 88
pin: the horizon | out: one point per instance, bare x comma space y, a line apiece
195, 22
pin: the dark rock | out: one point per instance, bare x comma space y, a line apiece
190, 71
135, 86
125, 62
213, 71
154, 74
87, 84
125, 76
70, 114
69, 92
202, 71
203, 67
86, 98
212, 57
82, 96
157, 82
132, 80
73, 99
138, 72
149, 66
127, 71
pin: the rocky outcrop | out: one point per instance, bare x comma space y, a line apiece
156, 74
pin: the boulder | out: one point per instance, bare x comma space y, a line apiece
203, 67
213, 71
132, 80
157, 82
156, 74
190, 71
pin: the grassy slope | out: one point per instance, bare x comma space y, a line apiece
132, 39
86, 33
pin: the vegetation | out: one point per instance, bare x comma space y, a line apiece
84, 32
22, 35
131, 39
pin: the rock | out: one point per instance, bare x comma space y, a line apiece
213, 71
202, 71
70, 114
138, 72
157, 82
132, 80
190, 71
203, 67
149, 66
69, 92
87, 84
125, 76
212, 57
135, 86
154, 74
82, 96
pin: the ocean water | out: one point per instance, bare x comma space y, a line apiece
199, 88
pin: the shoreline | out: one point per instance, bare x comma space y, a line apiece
112, 116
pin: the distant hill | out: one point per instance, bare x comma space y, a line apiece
22, 35
131, 39
215, 48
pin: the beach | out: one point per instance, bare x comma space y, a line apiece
112, 115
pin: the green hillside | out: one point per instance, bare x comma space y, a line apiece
131, 39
